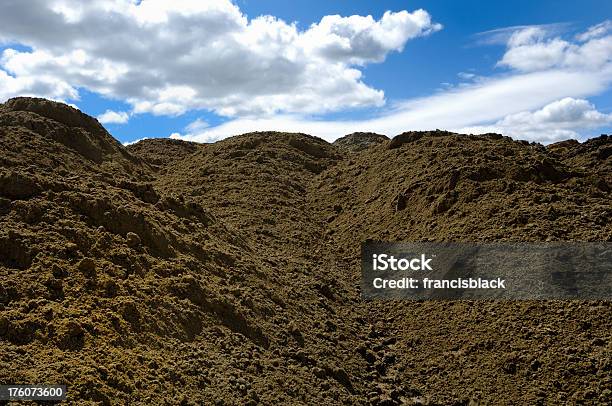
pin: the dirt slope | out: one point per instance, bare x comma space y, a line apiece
448, 187
178, 273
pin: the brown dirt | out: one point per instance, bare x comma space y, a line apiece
176, 273
356, 142
160, 152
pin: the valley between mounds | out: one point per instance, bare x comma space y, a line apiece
169, 272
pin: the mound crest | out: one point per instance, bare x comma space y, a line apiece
59, 112
62, 123
360, 140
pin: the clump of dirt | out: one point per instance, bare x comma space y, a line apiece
359, 141
177, 273
592, 157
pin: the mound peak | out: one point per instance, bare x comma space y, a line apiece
63, 124
412, 136
60, 112
358, 141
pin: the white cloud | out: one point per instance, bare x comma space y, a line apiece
197, 125
596, 31
362, 39
40, 86
167, 58
566, 112
125, 144
170, 57
467, 76
113, 117
531, 49
500, 36
194, 129
558, 120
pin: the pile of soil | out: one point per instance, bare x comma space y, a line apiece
169, 272
440, 186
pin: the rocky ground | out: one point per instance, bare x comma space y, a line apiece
170, 272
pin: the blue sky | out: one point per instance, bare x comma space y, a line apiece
211, 69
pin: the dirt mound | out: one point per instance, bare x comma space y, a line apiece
100, 271
359, 141
174, 273
448, 187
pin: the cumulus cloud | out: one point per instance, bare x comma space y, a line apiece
113, 117
359, 39
531, 49
195, 129
558, 120
40, 86
567, 112
167, 57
